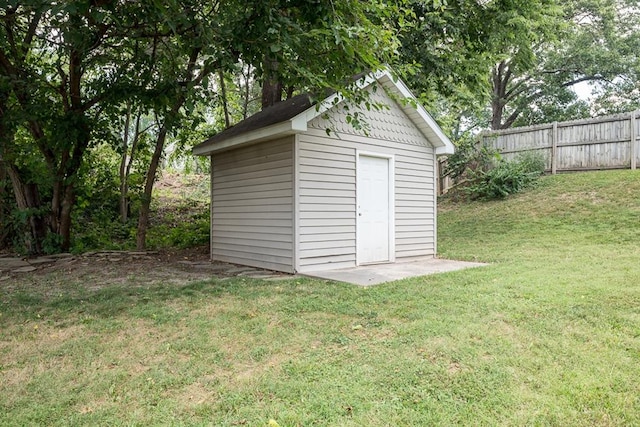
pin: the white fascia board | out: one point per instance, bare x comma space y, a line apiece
444, 150
447, 146
443, 144
300, 121
263, 134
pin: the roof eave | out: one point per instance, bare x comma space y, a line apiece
445, 150
424, 121
287, 127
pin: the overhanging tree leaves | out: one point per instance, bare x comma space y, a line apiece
303, 45
458, 44
66, 66
64, 63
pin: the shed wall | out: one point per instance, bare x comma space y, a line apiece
252, 205
327, 187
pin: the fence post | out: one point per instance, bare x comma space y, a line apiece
554, 148
632, 147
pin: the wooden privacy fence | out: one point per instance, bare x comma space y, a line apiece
608, 142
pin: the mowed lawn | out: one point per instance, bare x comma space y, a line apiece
548, 334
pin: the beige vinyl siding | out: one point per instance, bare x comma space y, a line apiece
327, 218
326, 206
415, 204
252, 205
327, 187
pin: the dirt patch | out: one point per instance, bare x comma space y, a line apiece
97, 270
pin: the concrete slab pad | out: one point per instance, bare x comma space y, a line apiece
382, 273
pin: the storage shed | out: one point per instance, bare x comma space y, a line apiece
287, 195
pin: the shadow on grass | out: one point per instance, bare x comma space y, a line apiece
113, 300
21, 305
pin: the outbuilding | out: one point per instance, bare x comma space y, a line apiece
297, 188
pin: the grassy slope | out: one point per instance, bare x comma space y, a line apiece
549, 334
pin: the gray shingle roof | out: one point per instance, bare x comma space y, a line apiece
277, 113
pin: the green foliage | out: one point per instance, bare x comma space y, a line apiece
52, 243
97, 189
502, 64
480, 172
181, 218
594, 45
188, 232
182, 226
469, 157
16, 230
456, 44
506, 177
68, 68
102, 233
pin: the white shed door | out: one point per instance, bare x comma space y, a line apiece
374, 243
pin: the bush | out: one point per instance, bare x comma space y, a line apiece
188, 230
102, 233
507, 177
469, 159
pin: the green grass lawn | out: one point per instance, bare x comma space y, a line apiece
549, 334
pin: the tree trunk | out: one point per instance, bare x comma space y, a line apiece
68, 201
28, 200
64, 195
247, 92
499, 86
271, 93
124, 208
225, 103
271, 84
169, 120
4, 230
143, 218
504, 93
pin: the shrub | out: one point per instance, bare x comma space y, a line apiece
189, 230
532, 161
507, 177
469, 158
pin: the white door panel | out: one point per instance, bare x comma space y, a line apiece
374, 219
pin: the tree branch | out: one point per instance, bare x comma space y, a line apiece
511, 119
584, 79
513, 93
31, 31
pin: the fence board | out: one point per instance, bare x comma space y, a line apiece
608, 142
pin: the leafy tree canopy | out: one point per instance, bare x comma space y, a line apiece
67, 68
506, 63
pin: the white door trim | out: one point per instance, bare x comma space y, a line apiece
296, 203
391, 203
